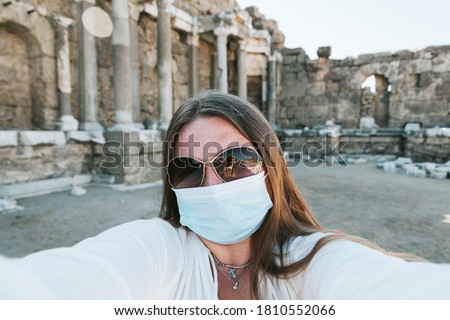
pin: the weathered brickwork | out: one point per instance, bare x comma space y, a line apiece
410, 87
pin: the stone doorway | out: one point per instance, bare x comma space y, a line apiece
254, 91
375, 95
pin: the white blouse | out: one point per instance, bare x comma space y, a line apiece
150, 259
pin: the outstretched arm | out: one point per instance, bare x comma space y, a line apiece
130, 261
343, 269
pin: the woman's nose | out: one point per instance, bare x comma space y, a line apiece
211, 177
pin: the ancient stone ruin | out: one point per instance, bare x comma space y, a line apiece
86, 82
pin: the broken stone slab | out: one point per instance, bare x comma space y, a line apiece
402, 161
419, 173
9, 205
292, 132
445, 132
428, 166
33, 138
77, 191
367, 123
433, 132
387, 158
8, 138
86, 136
40, 187
350, 160
409, 169
446, 218
412, 128
360, 161
389, 167
439, 173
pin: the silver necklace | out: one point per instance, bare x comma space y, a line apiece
232, 271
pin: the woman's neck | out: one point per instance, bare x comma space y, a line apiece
237, 254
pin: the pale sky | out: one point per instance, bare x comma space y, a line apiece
354, 27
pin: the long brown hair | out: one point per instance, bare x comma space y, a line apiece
290, 215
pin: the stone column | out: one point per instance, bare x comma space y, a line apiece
66, 121
213, 61
242, 69
272, 92
264, 93
193, 64
221, 70
121, 44
87, 72
165, 91
135, 72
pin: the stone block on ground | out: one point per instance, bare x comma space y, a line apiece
419, 173
429, 166
9, 205
360, 161
409, 169
77, 191
389, 167
439, 173
402, 161
386, 158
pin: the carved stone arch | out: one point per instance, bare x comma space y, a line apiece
37, 34
374, 102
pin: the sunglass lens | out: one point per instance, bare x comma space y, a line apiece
238, 163
185, 172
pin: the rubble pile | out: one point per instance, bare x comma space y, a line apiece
406, 166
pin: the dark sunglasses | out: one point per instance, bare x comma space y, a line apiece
230, 164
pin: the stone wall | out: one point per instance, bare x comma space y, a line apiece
15, 105
35, 105
426, 145
36, 155
410, 87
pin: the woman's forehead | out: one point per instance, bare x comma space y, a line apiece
206, 136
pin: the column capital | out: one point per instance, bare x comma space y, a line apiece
222, 31
164, 5
60, 21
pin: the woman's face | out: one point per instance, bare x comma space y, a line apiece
204, 138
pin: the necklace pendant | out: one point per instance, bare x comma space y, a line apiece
232, 271
236, 286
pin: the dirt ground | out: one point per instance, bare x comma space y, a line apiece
398, 212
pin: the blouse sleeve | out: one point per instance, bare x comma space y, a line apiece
343, 269
131, 261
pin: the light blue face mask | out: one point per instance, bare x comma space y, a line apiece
225, 213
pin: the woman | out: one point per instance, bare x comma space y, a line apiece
234, 226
